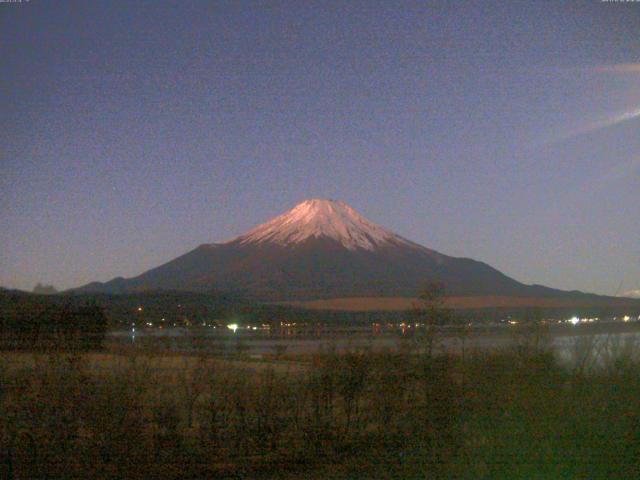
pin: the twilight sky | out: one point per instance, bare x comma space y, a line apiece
134, 131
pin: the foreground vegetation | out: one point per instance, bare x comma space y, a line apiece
397, 414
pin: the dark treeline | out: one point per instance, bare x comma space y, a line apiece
36, 322
176, 306
187, 308
193, 308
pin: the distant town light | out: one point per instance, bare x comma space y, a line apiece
574, 320
233, 326
139, 309
626, 318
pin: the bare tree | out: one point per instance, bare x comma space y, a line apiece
192, 380
431, 314
531, 333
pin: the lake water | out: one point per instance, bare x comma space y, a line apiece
582, 347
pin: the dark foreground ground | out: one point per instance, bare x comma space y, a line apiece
510, 413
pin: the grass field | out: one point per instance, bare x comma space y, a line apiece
371, 304
513, 413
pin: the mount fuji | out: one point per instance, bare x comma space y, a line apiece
323, 249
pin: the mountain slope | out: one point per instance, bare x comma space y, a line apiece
322, 249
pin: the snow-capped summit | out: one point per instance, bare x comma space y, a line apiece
317, 218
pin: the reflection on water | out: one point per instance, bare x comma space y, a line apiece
583, 349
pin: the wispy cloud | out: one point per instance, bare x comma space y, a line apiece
631, 293
606, 120
619, 68
602, 123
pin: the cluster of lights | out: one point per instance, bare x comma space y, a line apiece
576, 320
234, 326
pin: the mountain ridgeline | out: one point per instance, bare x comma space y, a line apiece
322, 249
